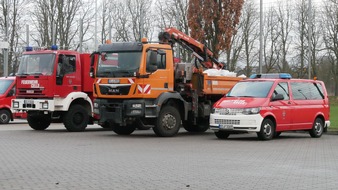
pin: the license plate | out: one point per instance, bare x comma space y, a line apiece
226, 126
28, 102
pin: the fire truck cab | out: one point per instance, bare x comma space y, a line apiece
54, 85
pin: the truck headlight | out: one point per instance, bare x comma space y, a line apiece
136, 105
44, 105
96, 105
15, 104
248, 111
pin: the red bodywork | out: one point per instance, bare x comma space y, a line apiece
7, 96
47, 86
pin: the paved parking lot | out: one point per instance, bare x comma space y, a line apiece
99, 159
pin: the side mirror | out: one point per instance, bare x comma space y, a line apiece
91, 72
278, 97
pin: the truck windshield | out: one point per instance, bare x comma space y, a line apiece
255, 89
123, 64
36, 64
4, 85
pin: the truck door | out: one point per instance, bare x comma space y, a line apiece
68, 75
160, 74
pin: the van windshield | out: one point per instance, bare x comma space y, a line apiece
255, 89
4, 85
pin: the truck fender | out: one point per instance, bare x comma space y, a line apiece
164, 97
66, 102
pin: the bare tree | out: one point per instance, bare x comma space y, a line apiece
284, 28
11, 16
174, 14
57, 20
331, 37
271, 47
243, 43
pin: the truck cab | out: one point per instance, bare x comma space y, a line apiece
51, 85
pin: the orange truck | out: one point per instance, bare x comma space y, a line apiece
146, 88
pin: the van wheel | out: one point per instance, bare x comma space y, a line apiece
124, 130
5, 116
168, 122
317, 128
38, 122
267, 130
222, 134
76, 119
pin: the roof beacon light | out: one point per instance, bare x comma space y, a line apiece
29, 48
271, 76
54, 47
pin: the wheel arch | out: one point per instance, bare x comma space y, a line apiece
273, 119
80, 98
174, 99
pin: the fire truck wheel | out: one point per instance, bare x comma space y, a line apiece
39, 123
222, 134
267, 130
5, 116
76, 119
317, 129
124, 130
168, 122
202, 126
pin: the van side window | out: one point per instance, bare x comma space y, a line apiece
282, 88
306, 91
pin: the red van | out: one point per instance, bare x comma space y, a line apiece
270, 104
7, 93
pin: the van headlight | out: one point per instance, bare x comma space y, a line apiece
248, 111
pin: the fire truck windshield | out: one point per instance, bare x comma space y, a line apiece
4, 84
122, 64
36, 64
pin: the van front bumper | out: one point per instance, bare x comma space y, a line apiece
246, 123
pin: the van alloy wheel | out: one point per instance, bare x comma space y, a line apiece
317, 128
267, 130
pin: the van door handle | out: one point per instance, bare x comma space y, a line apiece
289, 102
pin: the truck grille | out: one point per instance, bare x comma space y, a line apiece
227, 121
118, 90
30, 92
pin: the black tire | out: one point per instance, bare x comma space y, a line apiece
39, 122
76, 119
267, 130
222, 134
317, 128
168, 122
202, 126
124, 130
5, 116
277, 134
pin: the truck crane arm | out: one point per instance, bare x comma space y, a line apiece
199, 50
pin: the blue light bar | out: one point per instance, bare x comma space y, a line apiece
271, 76
54, 47
29, 48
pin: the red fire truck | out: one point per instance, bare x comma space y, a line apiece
54, 86
7, 93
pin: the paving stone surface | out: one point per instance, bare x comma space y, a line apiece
100, 159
